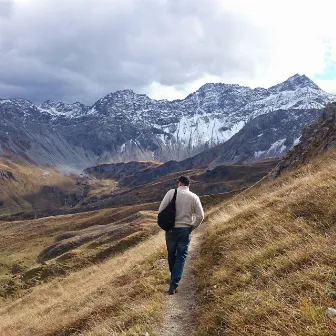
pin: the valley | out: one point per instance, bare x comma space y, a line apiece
108, 109
266, 264
52, 193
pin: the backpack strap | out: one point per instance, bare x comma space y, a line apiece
174, 197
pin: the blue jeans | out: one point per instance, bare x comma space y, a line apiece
177, 241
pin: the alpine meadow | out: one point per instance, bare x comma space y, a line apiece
167, 168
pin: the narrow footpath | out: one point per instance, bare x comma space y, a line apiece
180, 308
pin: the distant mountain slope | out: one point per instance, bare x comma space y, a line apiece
222, 179
120, 170
24, 188
125, 126
266, 136
269, 135
316, 138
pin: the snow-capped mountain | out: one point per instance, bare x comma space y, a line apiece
125, 126
267, 136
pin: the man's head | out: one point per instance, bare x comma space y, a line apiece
184, 181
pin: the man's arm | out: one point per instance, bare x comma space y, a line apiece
165, 201
199, 214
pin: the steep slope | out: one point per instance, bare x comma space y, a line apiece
125, 126
25, 188
316, 138
267, 262
26, 134
27, 191
267, 136
270, 135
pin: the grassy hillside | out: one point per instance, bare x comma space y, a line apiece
266, 265
96, 273
268, 257
35, 251
30, 191
104, 275
29, 188
123, 295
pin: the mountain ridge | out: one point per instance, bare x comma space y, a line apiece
125, 126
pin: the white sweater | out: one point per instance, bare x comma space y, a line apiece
189, 210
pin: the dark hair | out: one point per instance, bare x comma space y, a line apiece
185, 180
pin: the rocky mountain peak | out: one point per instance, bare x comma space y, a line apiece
293, 83
63, 109
221, 88
115, 100
122, 95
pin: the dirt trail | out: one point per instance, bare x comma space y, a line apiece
180, 307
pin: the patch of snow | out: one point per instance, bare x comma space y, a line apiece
296, 141
276, 145
4, 101
52, 111
92, 111
258, 153
283, 148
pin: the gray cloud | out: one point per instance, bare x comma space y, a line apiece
6, 7
74, 50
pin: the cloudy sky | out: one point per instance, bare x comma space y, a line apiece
80, 50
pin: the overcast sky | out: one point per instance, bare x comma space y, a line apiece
81, 50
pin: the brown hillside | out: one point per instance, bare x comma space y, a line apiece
29, 188
78, 240
30, 191
267, 263
222, 179
96, 273
266, 266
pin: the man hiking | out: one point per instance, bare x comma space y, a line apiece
189, 215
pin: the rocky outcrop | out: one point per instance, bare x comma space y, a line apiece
6, 175
316, 138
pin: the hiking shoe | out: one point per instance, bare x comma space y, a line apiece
172, 291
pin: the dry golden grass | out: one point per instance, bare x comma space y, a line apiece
115, 285
122, 296
107, 232
100, 187
119, 292
268, 259
19, 194
267, 266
